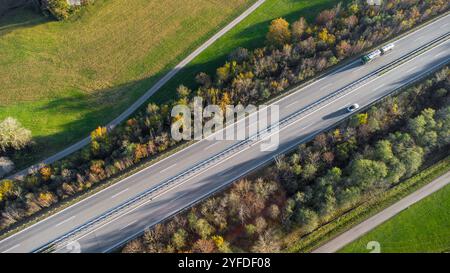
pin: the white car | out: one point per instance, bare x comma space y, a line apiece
353, 107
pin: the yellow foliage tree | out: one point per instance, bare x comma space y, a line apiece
6, 187
221, 244
337, 134
45, 199
46, 172
362, 118
218, 240
99, 133
326, 37
225, 72
279, 33
226, 100
395, 108
354, 8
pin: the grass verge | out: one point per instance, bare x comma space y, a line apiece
424, 227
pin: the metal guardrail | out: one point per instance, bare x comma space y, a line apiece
147, 195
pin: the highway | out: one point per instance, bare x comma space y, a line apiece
206, 176
376, 220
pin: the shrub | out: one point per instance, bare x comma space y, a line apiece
6, 187
6, 166
279, 33
13, 135
60, 9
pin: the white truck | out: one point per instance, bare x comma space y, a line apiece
375, 54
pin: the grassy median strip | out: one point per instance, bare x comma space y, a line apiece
376, 204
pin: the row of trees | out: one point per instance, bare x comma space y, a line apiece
293, 54
323, 178
300, 50
377, 167
246, 210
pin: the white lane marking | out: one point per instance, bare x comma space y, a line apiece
358, 69
440, 53
379, 87
166, 169
11, 248
444, 25
411, 69
212, 145
290, 104
119, 193
129, 224
307, 126
65, 221
326, 86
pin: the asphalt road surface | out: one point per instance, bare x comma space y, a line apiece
364, 227
131, 221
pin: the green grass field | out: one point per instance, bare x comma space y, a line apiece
424, 227
63, 79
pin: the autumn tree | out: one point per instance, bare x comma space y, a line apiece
99, 141
13, 135
58, 8
6, 187
183, 91
343, 49
179, 239
203, 79
203, 246
6, 166
298, 28
267, 242
135, 246
203, 228
279, 33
